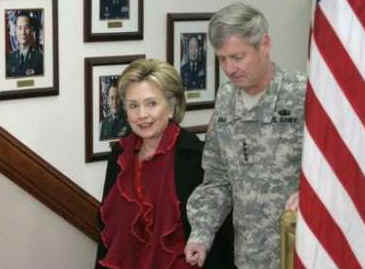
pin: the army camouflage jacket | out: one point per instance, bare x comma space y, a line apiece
252, 162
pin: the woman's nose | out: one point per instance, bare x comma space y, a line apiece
142, 112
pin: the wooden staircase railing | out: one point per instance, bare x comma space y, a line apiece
48, 185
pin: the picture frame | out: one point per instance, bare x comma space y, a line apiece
198, 129
113, 20
189, 51
29, 44
105, 121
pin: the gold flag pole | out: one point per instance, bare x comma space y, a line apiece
287, 239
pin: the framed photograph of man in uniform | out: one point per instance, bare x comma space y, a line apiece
193, 61
113, 20
112, 117
105, 119
30, 48
189, 51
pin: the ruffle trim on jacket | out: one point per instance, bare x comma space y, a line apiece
138, 232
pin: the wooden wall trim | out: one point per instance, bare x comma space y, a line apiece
28, 170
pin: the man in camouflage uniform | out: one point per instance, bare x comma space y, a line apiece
253, 149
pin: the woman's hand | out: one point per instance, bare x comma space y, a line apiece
195, 253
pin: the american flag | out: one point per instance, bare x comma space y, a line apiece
330, 229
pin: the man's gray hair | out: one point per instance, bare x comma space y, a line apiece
237, 19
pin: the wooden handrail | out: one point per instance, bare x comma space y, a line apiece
48, 185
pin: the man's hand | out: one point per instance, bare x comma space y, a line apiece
293, 202
195, 253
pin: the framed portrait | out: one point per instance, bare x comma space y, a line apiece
105, 119
113, 20
199, 130
29, 45
189, 51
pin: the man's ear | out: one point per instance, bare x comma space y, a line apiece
266, 44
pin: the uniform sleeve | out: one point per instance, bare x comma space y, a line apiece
301, 88
299, 85
211, 202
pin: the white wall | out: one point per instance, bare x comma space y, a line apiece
54, 126
32, 236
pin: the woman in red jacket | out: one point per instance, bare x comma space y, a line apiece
150, 176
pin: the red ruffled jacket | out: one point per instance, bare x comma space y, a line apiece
145, 224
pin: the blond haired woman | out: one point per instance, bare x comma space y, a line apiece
151, 176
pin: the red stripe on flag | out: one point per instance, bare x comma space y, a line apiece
340, 63
335, 151
358, 8
297, 262
325, 228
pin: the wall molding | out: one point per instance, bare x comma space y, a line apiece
36, 176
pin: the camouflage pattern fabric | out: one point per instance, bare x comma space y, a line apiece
252, 162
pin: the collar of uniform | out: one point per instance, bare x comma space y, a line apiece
264, 110
24, 52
